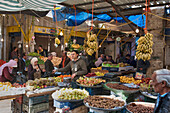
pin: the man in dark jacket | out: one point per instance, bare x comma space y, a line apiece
49, 66
161, 85
22, 63
77, 66
142, 66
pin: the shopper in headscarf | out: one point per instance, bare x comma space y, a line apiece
34, 70
6, 71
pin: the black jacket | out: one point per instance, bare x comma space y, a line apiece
144, 65
22, 66
49, 68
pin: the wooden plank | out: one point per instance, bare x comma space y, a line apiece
40, 94
9, 96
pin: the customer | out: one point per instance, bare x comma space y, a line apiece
14, 53
65, 60
77, 66
41, 51
34, 70
161, 85
6, 71
49, 67
142, 66
22, 63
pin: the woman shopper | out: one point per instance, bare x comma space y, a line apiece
34, 70
6, 71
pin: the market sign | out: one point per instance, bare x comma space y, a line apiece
12, 29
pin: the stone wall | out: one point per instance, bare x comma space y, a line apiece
155, 27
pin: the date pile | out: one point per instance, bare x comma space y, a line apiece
103, 102
139, 108
119, 87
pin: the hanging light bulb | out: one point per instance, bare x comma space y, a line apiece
37, 20
2, 39
113, 36
137, 30
61, 33
26, 45
100, 46
118, 39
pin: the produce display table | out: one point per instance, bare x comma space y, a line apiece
10, 96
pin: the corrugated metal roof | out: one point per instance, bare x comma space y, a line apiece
126, 7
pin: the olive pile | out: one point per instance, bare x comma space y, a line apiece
103, 102
139, 108
119, 87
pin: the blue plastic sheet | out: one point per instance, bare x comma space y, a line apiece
69, 14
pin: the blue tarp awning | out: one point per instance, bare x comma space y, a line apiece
69, 14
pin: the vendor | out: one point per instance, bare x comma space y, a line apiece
34, 70
109, 58
14, 53
6, 71
161, 85
77, 66
41, 51
142, 66
65, 60
49, 67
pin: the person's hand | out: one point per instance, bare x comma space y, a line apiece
36, 67
44, 70
73, 75
141, 68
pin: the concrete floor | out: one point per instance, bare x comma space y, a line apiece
5, 106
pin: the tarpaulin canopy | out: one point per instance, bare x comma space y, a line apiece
39, 7
69, 14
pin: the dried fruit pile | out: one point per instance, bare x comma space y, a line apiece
103, 102
134, 108
119, 87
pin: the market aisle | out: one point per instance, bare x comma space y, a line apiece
5, 106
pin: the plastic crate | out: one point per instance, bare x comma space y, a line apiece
113, 69
39, 108
35, 100
106, 68
71, 105
93, 91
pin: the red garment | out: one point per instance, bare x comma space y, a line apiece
64, 61
6, 76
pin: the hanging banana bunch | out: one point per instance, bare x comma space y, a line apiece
57, 42
144, 48
90, 43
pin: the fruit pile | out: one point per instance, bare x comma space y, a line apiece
99, 74
144, 48
75, 46
5, 86
90, 43
17, 85
125, 79
103, 102
90, 75
89, 81
62, 77
43, 82
57, 41
70, 94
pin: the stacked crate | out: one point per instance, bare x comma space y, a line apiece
39, 104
